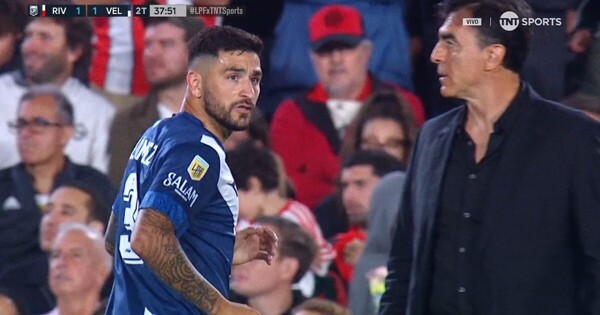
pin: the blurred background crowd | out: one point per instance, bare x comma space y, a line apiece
346, 87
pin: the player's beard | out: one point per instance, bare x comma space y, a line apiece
223, 114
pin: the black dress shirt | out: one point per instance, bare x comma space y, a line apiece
458, 281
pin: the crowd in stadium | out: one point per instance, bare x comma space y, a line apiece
345, 91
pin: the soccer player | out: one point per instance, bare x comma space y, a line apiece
172, 230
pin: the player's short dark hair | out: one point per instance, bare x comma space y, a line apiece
294, 242
381, 161
191, 26
63, 105
212, 40
248, 160
99, 209
516, 41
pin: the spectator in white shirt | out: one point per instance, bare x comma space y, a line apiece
52, 50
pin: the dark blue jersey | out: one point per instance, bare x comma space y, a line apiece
179, 169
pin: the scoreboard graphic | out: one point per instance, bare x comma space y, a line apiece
91, 10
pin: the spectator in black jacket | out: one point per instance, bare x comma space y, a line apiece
43, 127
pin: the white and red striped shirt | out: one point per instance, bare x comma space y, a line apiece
118, 46
301, 214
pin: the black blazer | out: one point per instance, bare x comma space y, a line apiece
540, 240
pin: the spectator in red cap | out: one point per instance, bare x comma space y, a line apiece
307, 131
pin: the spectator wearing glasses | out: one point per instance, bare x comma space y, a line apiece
55, 51
43, 128
384, 123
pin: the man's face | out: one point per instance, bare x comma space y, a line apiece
460, 60
256, 278
357, 184
46, 55
67, 205
165, 55
74, 265
45, 136
231, 88
340, 69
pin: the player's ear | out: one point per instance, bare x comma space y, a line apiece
495, 56
194, 82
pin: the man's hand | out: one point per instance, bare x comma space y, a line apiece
254, 242
353, 251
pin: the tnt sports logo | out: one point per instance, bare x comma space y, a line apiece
509, 21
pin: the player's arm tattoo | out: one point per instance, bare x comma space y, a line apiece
154, 240
110, 235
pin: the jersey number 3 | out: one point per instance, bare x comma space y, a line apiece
130, 197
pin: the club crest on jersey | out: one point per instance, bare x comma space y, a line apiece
197, 168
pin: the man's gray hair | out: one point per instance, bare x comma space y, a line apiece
105, 260
63, 106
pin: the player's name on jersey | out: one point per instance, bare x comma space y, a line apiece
57, 10
109, 10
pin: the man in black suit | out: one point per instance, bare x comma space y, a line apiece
501, 211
